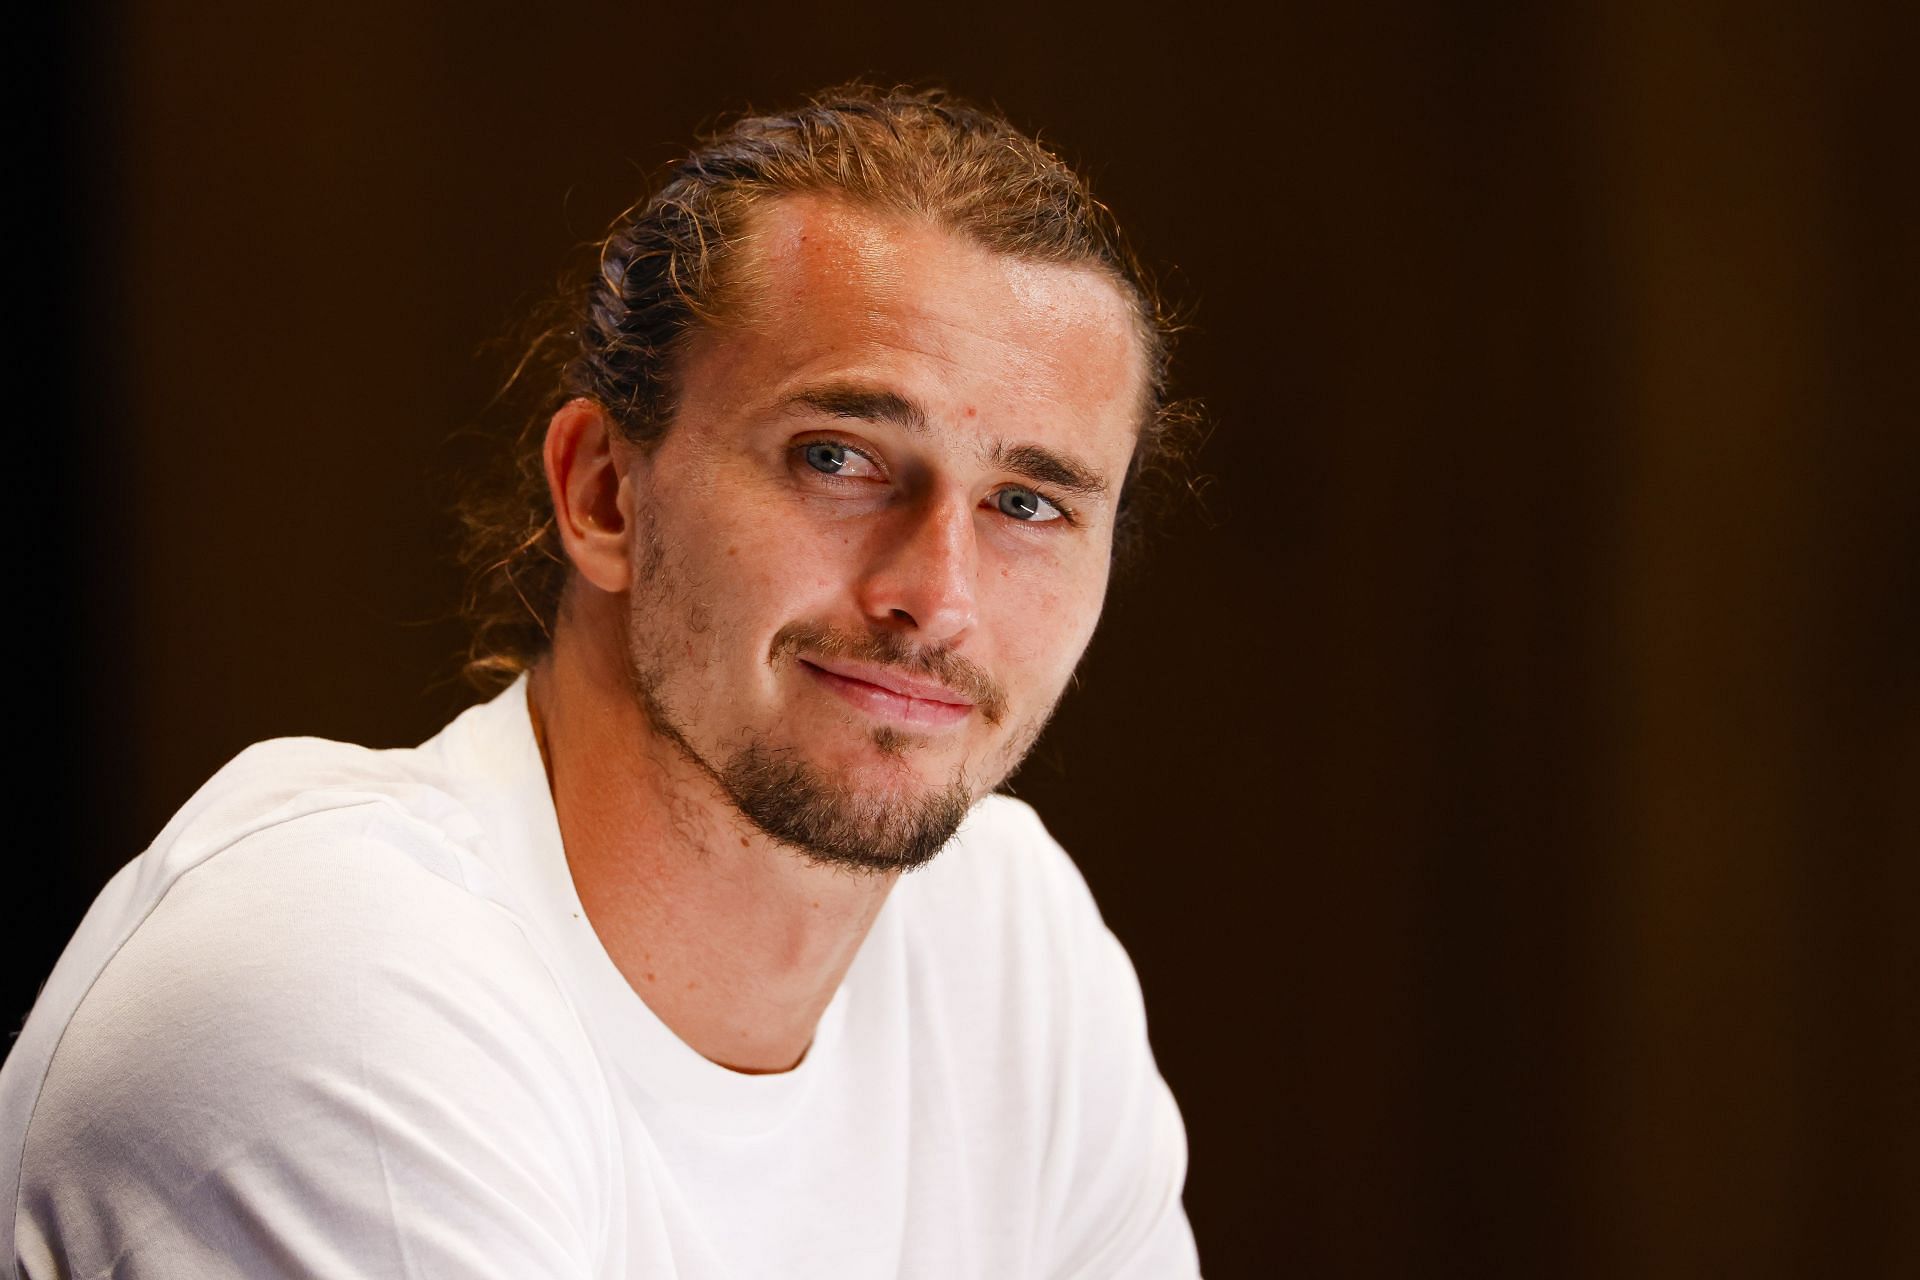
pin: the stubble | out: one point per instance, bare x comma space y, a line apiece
827, 820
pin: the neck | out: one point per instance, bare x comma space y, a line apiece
736, 942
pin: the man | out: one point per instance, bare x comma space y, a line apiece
620, 974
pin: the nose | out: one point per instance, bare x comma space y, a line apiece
920, 580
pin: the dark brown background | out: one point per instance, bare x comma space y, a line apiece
1510, 794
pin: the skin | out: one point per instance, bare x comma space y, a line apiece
691, 559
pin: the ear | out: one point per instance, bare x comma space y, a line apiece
591, 493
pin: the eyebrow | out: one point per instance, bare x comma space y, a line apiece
1049, 468
1032, 461
858, 402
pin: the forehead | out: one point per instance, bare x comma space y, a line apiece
817, 287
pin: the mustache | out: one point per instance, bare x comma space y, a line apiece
883, 649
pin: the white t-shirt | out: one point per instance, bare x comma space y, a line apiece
346, 1018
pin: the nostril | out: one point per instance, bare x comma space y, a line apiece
903, 615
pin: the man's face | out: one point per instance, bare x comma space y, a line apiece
874, 542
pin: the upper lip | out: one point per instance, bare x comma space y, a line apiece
892, 681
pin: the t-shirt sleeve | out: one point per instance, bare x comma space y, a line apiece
319, 1055
1119, 1149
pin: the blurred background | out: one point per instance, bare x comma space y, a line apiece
1506, 778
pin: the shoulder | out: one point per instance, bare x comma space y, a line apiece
311, 830
1003, 925
1050, 1002
308, 987
274, 785
309, 889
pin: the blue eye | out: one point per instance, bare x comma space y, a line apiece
1025, 504
826, 456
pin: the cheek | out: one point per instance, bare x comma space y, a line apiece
765, 573
1046, 619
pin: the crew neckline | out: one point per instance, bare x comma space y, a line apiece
647, 1054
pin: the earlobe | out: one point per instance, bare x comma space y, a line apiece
587, 483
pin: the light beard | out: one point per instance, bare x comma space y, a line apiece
836, 826
833, 825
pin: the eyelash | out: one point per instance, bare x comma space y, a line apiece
798, 455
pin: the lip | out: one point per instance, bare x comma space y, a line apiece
890, 695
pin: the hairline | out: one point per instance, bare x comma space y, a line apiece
723, 308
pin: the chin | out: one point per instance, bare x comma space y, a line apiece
897, 775
885, 817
